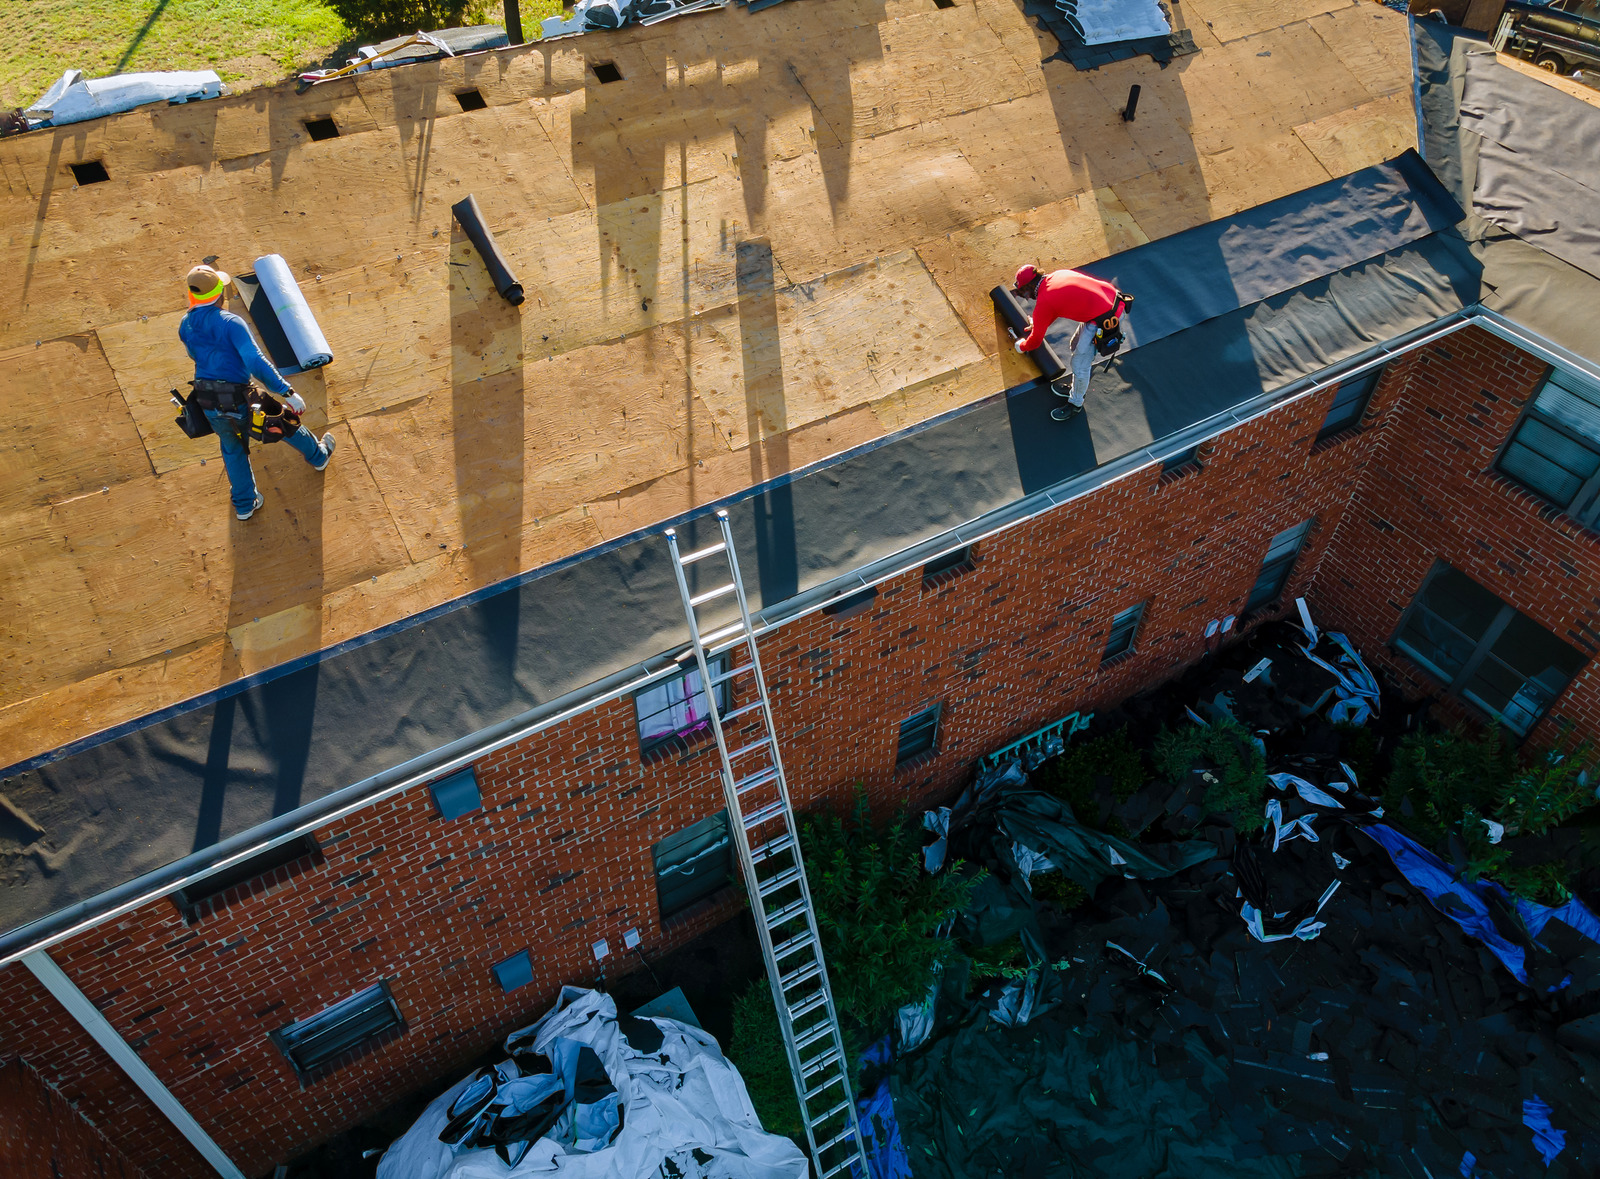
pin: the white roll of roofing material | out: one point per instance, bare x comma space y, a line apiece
294, 314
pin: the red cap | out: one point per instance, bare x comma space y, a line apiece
1026, 275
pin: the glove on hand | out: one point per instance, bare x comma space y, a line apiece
295, 402
1018, 345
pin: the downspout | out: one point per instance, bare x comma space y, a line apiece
89, 1018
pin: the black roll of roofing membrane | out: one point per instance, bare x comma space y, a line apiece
471, 218
1017, 317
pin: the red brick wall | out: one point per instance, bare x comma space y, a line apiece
561, 854
43, 1137
1430, 492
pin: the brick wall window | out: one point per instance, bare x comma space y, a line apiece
316, 1046
678, 709
456, 795
1124, 628
919, 735
1484, 650
693, 864
1555, 449
1349, 403
249, 875
1276, 567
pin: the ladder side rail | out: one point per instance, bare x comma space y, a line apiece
802, 881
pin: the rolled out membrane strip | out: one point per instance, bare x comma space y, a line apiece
477, 230
1017, 316
282, 318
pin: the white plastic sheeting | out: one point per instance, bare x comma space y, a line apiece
75, 98
685, 1112
1104, 21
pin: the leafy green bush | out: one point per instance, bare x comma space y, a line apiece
1110, 762
1056, 889
1444, 772
1552, 788
878, 910
757, 1049
1236, 781
408, 16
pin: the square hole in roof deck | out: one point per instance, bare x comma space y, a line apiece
91, 172
944, 3
471, 100
607, 71
322, 129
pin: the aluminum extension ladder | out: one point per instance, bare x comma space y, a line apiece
764, 831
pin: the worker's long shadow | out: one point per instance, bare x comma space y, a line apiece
488, 435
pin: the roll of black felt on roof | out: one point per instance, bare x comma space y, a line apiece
1016, 317
471, 219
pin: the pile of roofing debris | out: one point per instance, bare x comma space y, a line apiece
1303, 991
591, 16
588, 1094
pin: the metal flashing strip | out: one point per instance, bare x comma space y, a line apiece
83, 915
66, 992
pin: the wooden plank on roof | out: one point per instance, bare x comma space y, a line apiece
1349, 140
1230, 20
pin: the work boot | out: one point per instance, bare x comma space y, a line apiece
1065, 413
328, 443
1062, 386
251, 510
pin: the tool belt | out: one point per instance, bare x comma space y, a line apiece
1108, 334
268, 419
226, 396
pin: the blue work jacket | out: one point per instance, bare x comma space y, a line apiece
223, 349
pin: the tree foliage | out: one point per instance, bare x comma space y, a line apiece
1235, 769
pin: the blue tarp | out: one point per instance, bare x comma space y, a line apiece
880, 1133
1547, 1140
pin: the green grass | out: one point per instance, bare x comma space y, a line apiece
248, 42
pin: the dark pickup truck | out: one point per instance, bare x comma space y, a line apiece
1562, 37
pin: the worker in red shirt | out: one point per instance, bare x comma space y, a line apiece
1095, 305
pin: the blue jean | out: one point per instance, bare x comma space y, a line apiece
231, 435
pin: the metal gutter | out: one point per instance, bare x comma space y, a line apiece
89, 1018
83, 915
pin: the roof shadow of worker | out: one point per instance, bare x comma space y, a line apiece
488, 436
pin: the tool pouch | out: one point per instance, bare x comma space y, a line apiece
191, 418
268, 419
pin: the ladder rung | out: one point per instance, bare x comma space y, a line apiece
781, 881
710, 550
759, 778
832, 1113
765, 815
771, 848
807, 1006
833, 1080
795, 977
741, 710
714, 594
798, 942
726, 632
812, 1035
837, 1167
750, 748
788, 913
810, 1068
848, 1132
728, 675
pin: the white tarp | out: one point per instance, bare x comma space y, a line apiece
684, 1102
75, 98
1102, 21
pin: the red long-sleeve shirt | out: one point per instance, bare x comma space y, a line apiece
1068, 294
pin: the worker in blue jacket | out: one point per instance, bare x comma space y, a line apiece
225, 357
